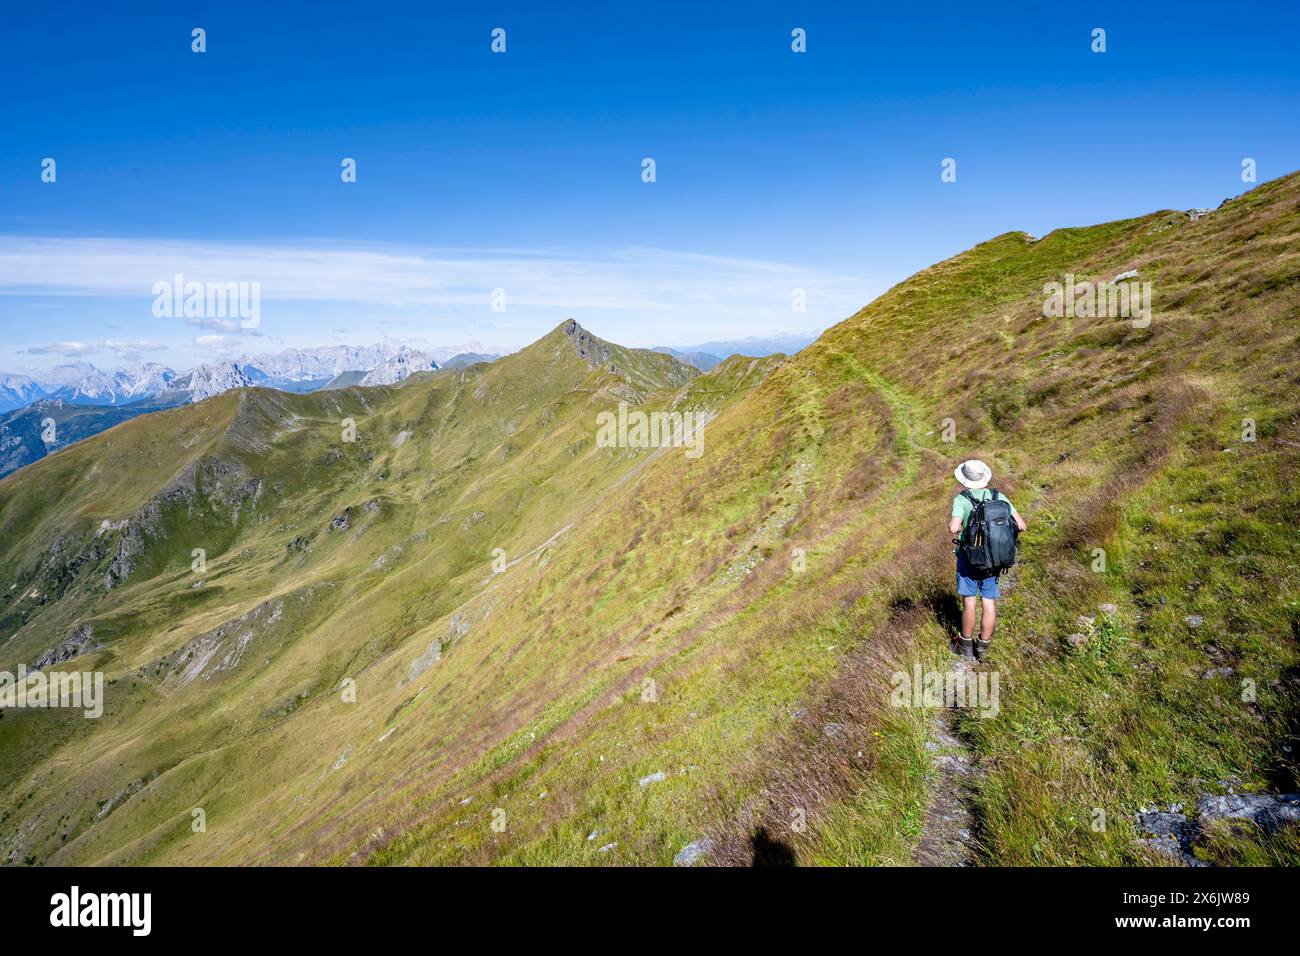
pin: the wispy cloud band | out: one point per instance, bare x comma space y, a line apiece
634, 280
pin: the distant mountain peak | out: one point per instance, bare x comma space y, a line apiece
206, 381
591, 349
700, 354
399, 367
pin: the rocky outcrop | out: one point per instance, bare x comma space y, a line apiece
64, 562
693, 852
1172, 833
424, 661
221, 650
457, 627
80, 640
130, 547
1266, 811
595, 352
1169, 833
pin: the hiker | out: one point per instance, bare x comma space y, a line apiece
986, 546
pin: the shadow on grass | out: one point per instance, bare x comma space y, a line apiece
769, 851
1284, 775
937, 598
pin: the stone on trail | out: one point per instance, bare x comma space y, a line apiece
1266, 811
693, 852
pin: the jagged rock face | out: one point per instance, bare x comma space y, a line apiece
459, 625
595, 352
424, 661
1170, 833
147, 523
61, 565
300, 365
148, 380
399, 367
81, 383
17, 391
209, 380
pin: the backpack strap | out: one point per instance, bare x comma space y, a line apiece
971, 526
995, 494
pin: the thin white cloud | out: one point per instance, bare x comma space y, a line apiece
636, 281
120, 347
66, 349
215, 324
132, 347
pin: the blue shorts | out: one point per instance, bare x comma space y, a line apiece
969, 586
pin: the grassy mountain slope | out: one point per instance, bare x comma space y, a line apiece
670, 650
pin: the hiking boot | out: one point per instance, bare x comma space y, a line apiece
982, 650
963, 647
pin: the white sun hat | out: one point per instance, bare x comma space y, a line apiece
974, 474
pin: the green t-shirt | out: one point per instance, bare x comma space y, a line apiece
961, 507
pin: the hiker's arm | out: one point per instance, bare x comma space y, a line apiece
954, 525
1020, 522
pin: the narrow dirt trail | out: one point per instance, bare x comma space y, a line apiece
946, 837
947, 830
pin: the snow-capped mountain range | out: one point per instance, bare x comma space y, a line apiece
81, 383
296, 370
204, 381
395, 369
17, 391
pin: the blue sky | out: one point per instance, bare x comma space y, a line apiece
522, 170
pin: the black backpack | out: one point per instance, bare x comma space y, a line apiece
989, 539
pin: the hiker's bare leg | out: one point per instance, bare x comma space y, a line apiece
990, 617
967, 617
